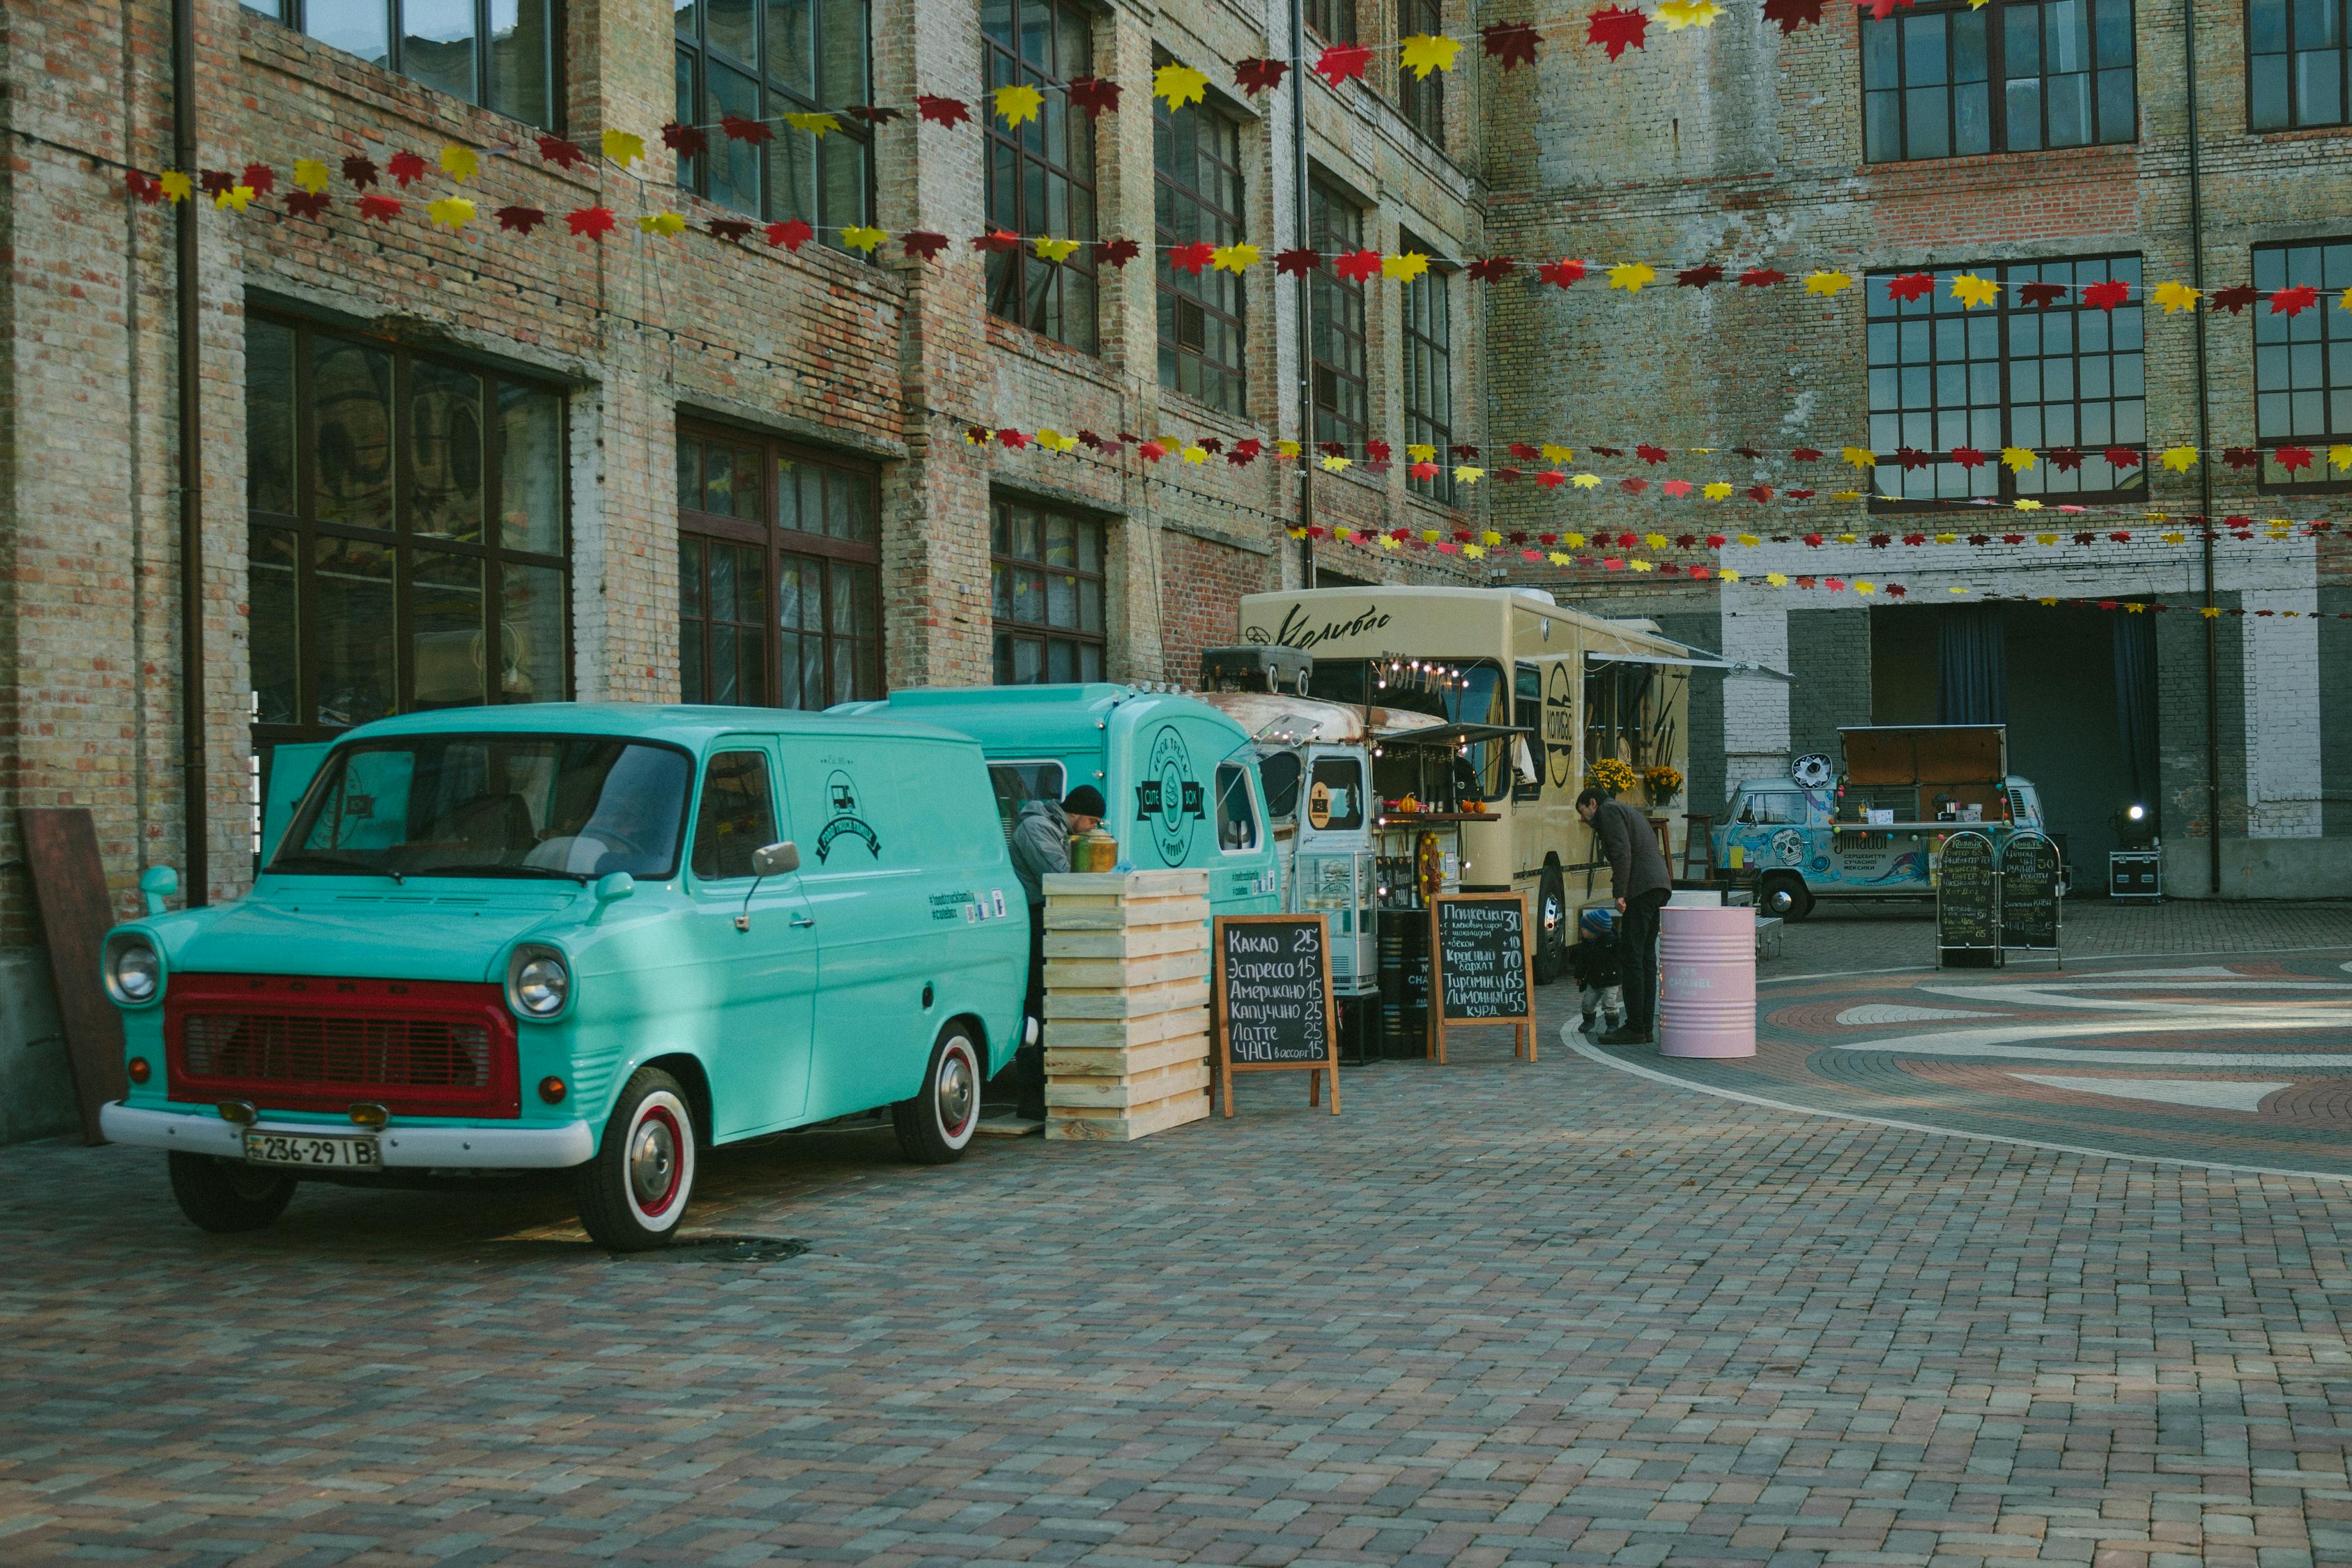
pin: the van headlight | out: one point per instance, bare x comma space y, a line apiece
539, 982
135, 972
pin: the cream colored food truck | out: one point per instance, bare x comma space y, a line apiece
1537, 692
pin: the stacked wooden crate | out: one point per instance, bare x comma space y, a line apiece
1126, 1003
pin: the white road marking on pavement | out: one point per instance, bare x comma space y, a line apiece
2216, 1094
2078, 957
1570, 1038
1896, 1012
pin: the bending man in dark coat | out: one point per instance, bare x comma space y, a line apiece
1641, 883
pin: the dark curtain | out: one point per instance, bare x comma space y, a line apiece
1972, 674
2136, 702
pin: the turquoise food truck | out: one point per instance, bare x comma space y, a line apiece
1181, 778
601, 938
1875, 828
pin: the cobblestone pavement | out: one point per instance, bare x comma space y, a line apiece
1497, 1312
1844, 938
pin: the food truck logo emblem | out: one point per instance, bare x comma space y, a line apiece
1170, 800
1788, 847
1559, 725
841, 799
1319, 806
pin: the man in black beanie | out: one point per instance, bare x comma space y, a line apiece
1041, 846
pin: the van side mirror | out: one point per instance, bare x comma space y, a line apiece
610, 889
776, 859
158, 883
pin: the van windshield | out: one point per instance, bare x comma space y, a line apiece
568, 806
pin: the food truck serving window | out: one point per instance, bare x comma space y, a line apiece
1335, 796
1237, 816
1481, 697
1018, 783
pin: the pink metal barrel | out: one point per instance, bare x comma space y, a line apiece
1706, 974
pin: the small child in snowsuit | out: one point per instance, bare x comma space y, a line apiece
1593, 961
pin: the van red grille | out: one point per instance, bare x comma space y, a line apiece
419, 1047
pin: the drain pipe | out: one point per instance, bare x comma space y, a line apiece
2204, 469
1306, 293
197, 883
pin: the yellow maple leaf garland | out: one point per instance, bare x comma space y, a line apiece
1424, 53
1177, 86
1631, 274
459, 161
1972, 290
1019, 103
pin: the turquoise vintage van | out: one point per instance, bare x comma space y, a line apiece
1179, 777
594, 937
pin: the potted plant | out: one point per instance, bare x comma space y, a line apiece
1662, 783
1609, 776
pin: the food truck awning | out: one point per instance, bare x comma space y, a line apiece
1691, 658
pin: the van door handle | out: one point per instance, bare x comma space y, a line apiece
802, 923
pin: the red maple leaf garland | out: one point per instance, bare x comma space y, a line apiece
739, 129
685, 140
1253, 76
1508, 43
1357, 265
2293, 301
590, 223
2232, 299
922, 244
2065, 460
1793, 14
360, 171
1762, 278
520, 220
1552, 478
1649, 455
947, 111
1490, 269
309, 203
997, 242
2294, 458
258, 178
2243, 458
213, 182
1523, 452
1698, 276
1910, 458
2106, 294
875, 115
1093, 95
1297, 262
405, 167
1193, 258
143, 186
1632, 485
1806, 454
1759, 494
1911, 286
1616, 29
2041, 296
1881, 9
729, 228
561, 153
2121, 457
1561, 273
791, 233
1244, 453
1339, 62
383, 210
1117, 252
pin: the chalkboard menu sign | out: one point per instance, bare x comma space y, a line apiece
1273, 998
1482, 971
2029, 893
1967, 895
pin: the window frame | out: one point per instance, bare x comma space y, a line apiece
2333, 327
732, 746
307, 529
1336, 300
1422, 100
1004, 631
1258, 827
294, 13
1220, 227
775, 98
1434, 285
773, 543
1333, 21
1996, 79
2294, 121
2002, 314
1011, 275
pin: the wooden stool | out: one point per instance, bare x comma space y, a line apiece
1701, 842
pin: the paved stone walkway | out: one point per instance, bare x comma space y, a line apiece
1497, 1313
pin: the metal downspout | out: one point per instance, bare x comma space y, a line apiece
2205, 467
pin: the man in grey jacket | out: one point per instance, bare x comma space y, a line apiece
1639, 883
1041, 846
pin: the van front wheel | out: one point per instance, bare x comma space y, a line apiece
634, 1192
1784, 895
225, 1196
935, 1125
